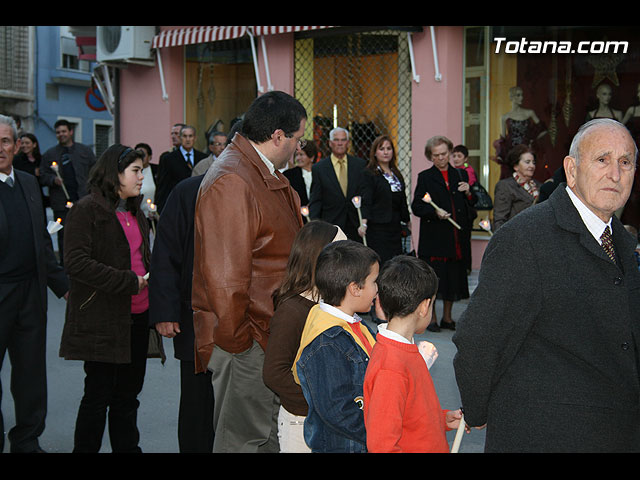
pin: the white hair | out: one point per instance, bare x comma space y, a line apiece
338, 129
10, 122
574, 150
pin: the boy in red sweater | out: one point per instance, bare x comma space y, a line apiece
402, 412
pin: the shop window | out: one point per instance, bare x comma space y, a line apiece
361, 82
220, 86
547, 81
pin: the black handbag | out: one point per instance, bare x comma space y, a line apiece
484, 201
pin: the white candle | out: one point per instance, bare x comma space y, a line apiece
458, 438
54, 166
357, 202
427, 198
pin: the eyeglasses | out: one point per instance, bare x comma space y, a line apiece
301, 141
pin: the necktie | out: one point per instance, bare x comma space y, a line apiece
9, 181
607, 244
342, 175
189, 159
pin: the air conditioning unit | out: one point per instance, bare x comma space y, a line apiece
124, 44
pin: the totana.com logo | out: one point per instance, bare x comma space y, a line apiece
550, 46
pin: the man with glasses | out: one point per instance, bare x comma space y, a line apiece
247, 215
335, 181
217, 142
67, 179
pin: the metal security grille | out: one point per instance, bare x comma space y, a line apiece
361, 82
14, 59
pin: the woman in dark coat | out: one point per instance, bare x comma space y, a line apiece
106, 256
384, 200
441, 244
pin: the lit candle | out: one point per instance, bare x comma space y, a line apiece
305, 212
427, 199
54, 167
357, 202
69, 204
53, 227
152, 209
485, 225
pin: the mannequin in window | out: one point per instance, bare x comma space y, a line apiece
519, 126
604, 110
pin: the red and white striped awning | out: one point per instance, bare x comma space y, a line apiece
258, 31
193, 35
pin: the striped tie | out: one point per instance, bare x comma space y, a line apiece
607, 244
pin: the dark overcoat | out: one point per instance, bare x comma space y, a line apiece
327, 201
170, 276
437, 237
547, 347
98, 261
49, 272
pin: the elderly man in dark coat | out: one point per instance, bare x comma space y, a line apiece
27, 267
547, 348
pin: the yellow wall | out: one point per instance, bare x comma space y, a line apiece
503, 76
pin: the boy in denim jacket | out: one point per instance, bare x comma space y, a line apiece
335, 348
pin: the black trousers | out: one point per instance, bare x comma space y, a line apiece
113, 389
23, 334
195, 416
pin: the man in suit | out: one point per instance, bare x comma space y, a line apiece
170, 311
335, 181
74, 161
27, 267
177, 165
548, 345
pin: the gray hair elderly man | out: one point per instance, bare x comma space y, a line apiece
27, 267
547, 348
335, 180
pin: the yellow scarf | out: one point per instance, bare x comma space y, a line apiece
319, 321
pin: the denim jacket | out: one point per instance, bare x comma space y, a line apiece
331, 372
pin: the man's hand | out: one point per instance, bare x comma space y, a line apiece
168, 329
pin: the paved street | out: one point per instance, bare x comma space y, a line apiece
157, 417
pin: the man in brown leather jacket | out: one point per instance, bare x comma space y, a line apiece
247, 216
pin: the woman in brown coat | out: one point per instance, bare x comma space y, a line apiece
106, 256
518, 191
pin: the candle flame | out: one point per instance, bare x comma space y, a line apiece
357, 201
54, 164
148, 200
485, 225
305, 211
427, 197
58, 220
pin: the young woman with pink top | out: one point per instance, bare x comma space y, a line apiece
107, 256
